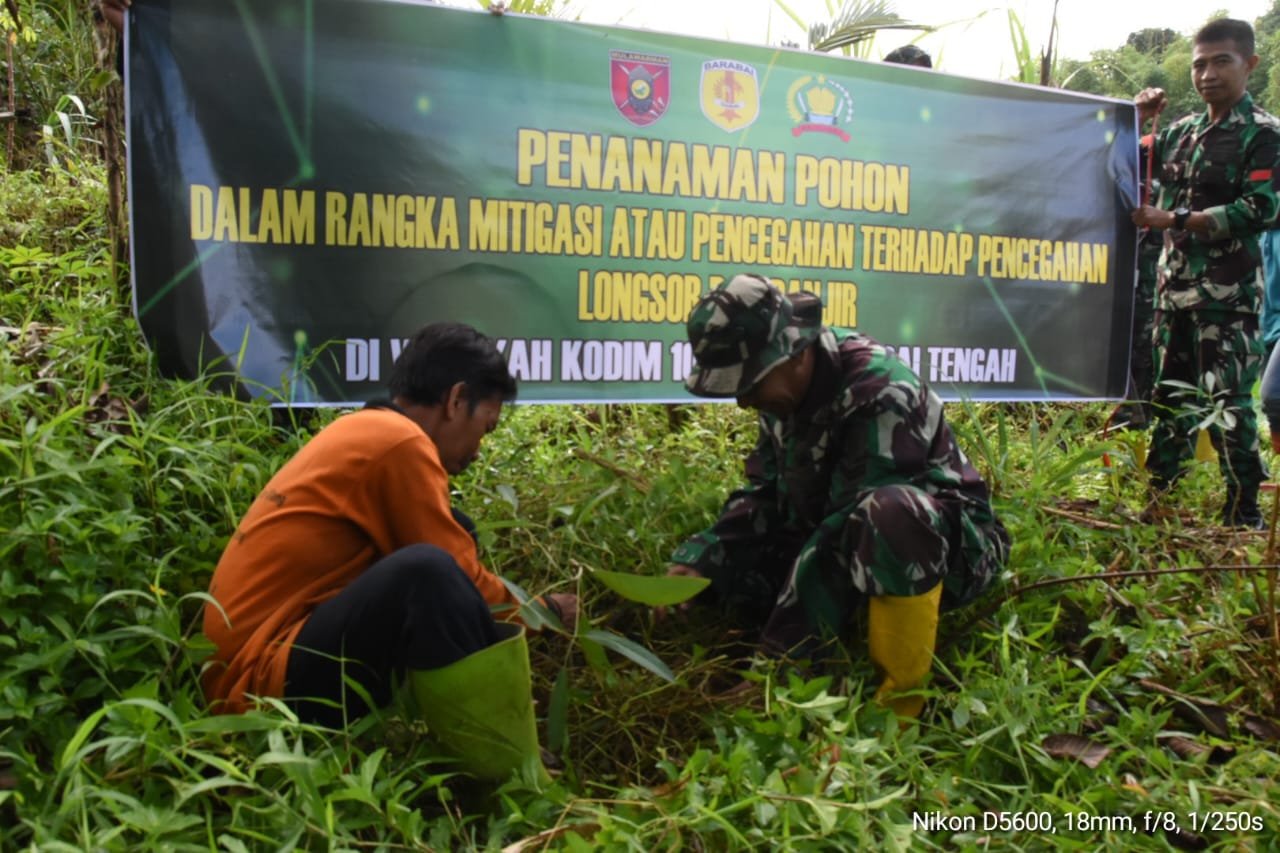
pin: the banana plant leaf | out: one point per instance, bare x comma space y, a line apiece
652, 590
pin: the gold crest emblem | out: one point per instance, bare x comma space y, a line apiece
730, 94
819, 105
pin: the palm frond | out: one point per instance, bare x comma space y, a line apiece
856, 23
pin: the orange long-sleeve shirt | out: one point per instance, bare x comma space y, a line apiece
365, 486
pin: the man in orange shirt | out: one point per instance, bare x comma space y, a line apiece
351, 565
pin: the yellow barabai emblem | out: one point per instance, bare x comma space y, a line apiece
730, 94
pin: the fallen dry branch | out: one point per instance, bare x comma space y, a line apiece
1086, 520
642, 485
1019, 589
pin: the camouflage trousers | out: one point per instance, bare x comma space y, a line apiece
897, 540
1219, 355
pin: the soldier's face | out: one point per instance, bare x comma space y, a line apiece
782, 389
1220, 72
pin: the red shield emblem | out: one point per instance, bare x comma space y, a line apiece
641, 85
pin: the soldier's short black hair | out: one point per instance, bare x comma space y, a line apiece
909, 54
441, 355
1228, 29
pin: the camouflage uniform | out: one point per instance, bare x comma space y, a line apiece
861, 492
1209, 292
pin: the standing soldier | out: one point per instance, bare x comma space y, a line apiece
857, 492
1218, 192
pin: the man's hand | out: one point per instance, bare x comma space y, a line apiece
565, 605
1149, 103
1147, 216
113, 11
660, 613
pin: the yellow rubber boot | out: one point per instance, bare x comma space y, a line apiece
480, 708
1204, 447
901, 633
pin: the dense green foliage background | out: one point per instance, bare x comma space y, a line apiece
1162, 57
1111, 705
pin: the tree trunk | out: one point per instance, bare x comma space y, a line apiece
112, 130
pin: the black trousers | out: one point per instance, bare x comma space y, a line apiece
414, 609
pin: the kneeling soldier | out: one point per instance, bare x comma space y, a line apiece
856, 492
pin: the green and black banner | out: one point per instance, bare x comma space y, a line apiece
313, 180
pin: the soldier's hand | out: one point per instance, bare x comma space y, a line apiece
565, 605
113, 11
1149, 103
661, 613
1147, 216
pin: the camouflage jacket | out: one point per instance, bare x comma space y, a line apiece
866, 421
1226, 170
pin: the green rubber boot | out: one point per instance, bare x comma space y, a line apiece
480, 708
901, 633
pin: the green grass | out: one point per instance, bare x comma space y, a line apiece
118, 490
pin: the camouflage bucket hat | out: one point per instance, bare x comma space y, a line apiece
742, 330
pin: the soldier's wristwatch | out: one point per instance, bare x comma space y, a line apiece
1180, 218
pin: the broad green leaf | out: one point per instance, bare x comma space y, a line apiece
822, 702
576, 843
70, 752
596, 658
225, 723
231, 844
652, 590
534, 613
630, 649
98, 81
276, 757
65, 121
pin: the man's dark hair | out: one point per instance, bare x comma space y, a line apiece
441, 355
909, 54
1228, 29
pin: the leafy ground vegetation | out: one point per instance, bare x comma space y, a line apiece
1079, 706
1117, 691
